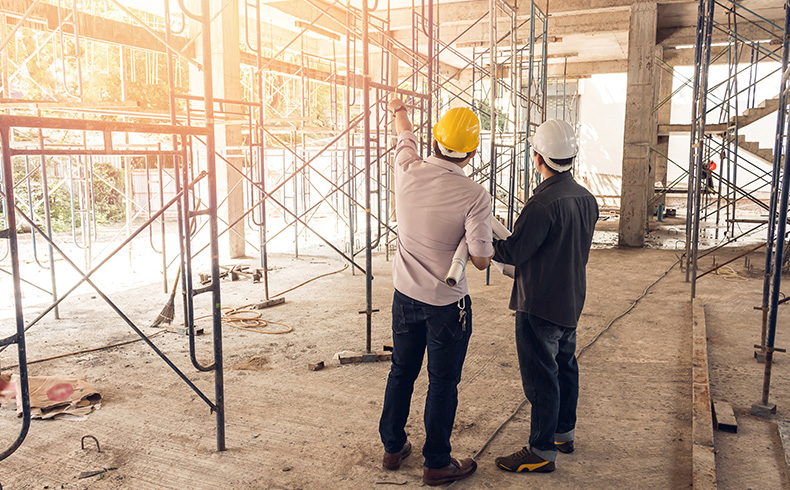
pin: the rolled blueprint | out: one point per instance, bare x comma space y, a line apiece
458, 264
500, 233
461, 256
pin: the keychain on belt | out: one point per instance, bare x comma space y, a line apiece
462, 313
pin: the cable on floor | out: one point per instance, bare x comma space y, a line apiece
85, 351
729, 274
310, 280
581, 351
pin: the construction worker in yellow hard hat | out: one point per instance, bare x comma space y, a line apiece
437, 206
457, 133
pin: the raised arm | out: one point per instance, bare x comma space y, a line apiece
401, 113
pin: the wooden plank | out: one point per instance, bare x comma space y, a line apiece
724, 417
703, 455
704, 468
784, 437
702, 419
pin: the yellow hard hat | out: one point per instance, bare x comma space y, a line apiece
458, 130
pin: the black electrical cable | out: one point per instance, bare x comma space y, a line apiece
581, 351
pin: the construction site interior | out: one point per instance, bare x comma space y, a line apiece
197, 227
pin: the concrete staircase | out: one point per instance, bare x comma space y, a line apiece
765, 108
753, 148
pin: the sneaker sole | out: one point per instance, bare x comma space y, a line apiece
546, 467
561, 448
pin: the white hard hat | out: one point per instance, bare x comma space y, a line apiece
555, 140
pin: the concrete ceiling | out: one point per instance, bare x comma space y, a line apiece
589, 35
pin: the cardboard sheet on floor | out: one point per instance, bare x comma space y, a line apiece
52, 396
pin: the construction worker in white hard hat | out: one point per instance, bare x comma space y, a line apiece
437, 206
549, 248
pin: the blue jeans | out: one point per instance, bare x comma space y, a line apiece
550, 376
415, 327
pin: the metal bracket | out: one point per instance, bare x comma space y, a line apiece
769, 349
8, 340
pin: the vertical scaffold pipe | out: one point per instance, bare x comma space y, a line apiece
350, 152
8, 190
777, 166
700, 149
48, 219
492, 110
211, 165
431, 62
528, 122
366, 130
781, 226
698, 48
261, 153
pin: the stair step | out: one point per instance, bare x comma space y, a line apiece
751, 115
753, 147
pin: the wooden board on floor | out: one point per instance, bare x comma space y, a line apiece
724, 417
784, 436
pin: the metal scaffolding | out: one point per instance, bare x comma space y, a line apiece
714, 196
313, 162
720, 110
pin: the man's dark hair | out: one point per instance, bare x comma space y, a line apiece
563, 161
439, 154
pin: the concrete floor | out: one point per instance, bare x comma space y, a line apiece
291, 428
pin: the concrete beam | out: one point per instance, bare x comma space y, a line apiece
94, 27
465, 12
687, 36
590, 23
587, 68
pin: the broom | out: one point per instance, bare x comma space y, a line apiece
169, 311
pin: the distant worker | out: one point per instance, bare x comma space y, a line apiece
437, 205
706, 176
549, 248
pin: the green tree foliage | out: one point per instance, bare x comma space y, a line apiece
103, 195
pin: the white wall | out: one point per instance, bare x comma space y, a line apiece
763, 131
602, 119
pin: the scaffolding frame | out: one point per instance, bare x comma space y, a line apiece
723, 140
346, 164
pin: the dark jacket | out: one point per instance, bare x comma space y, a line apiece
549, 248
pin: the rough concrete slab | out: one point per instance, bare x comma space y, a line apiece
733, 328
290, 428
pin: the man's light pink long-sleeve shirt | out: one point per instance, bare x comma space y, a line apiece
436, 205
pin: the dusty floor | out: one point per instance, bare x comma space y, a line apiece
733, 329
291, 428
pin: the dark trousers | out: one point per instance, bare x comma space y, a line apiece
415, 327
550, 376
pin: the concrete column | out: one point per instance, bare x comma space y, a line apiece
639, 125
664, 117
226, 62
658, 52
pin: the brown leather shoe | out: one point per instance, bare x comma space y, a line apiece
456, 470
392, 461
